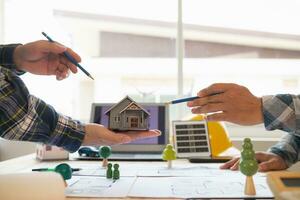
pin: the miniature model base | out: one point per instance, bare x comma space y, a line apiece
249, 186
104, 162
169, 164
127, 130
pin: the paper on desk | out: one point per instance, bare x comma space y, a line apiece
190, 170
158, 170
196, 187
89, 186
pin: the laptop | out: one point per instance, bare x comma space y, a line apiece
142, 149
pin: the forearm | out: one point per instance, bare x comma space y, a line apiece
27, 118
282, 112
288, 148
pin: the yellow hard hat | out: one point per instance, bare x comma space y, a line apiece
218, 137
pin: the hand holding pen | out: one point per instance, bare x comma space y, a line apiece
70, 58
194, 102
228, 102
44, 58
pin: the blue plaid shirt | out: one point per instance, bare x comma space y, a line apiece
282, 112
28, 118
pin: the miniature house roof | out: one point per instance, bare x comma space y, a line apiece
132, 105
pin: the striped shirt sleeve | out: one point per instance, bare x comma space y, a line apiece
27, 118
282, 112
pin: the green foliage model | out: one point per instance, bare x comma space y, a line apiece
169, 153
248, 163
104, 151
64, 170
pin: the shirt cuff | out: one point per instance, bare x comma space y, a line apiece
7, 58
282, 154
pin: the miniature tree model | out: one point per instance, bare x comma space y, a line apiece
169, 154
104, 152
248, 166
64, 170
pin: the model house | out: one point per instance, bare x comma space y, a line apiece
128, 115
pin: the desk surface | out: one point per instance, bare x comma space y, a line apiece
29, 161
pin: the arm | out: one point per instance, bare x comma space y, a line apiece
236, 104
27, 118
279, 157
288, 148
282, 112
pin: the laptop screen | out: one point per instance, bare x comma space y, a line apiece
158, 120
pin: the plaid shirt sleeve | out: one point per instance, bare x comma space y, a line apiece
27, 118
6, 57
282, 112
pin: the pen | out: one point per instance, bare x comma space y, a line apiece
188, 99
70, 58
182, 100
48, 169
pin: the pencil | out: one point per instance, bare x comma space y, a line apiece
70, 58
182, 100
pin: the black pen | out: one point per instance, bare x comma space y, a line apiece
188, 99
70, 58
183, 100
48, 169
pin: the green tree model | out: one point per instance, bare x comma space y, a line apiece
248, 166
169, 154
104, 152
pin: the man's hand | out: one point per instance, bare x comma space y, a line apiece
99, 135
267, 162
228, 102
45, 58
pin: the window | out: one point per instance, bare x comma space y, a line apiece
132, 50
224, 41
116, 119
